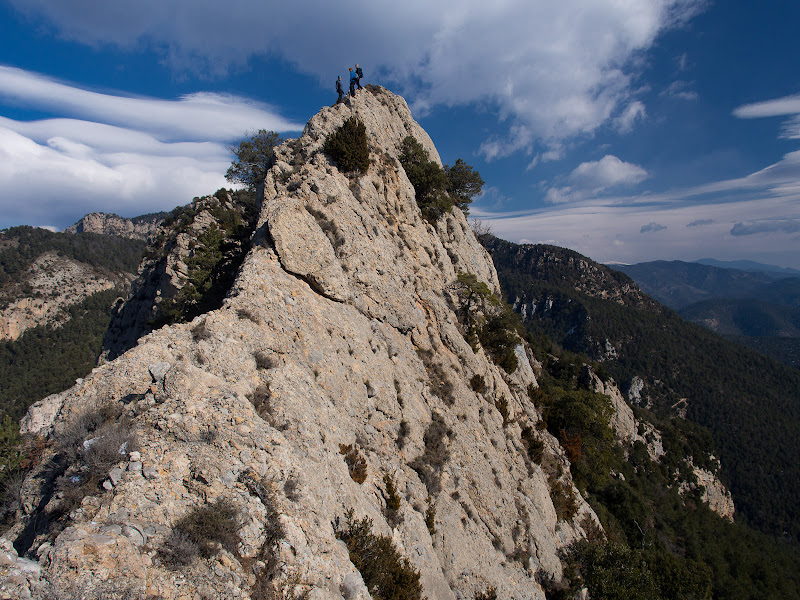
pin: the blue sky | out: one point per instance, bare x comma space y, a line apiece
626, 130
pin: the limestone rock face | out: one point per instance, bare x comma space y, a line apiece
339, 341
140, 228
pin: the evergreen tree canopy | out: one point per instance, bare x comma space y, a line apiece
254, 156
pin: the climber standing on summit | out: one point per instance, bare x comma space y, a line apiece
359, 75
353, 81
339, 89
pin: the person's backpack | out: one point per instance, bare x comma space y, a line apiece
359, 72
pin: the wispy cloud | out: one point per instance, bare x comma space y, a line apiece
788, 106
633, 113
766, 226
681, 90
652, 227
200, 116
126, 155
755, 217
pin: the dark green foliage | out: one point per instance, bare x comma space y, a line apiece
392, 501
663, 544
488, 321
211, 527
429, 466
436, 189
47, 360
427, 177
21, 246
463, 184
387, 574
564, 500
402, 434
499, 336
254, 156
348, 147
478, 384
430, 517
614, 571
534, 447
579, 419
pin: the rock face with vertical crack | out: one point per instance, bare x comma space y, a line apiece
336, 361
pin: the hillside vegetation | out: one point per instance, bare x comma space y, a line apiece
749, 403
21, 246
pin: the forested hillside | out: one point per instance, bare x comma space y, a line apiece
749, 403
21, 246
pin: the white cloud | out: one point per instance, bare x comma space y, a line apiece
553, 69
681, 90
607, 172
788, 106
635, 112
755, 217
61, 180
595, 177
136, 155
200, 116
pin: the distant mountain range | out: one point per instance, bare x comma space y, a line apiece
756, 305
749, 265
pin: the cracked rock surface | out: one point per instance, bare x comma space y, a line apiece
340, 331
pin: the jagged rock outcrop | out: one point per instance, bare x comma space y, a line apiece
138, 228
336, 360
712, 491
627, 428
53, 284
166, 270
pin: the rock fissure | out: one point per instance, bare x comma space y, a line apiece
351, 327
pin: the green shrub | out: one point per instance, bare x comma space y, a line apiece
534, 447
463, 184
427, 177
347, 146
488, 320
392, 501
499, 337
564, 499
254, 156
437, 453
438, 189
478, 384
387, 574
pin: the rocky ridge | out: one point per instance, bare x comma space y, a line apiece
139, 228
337, 360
